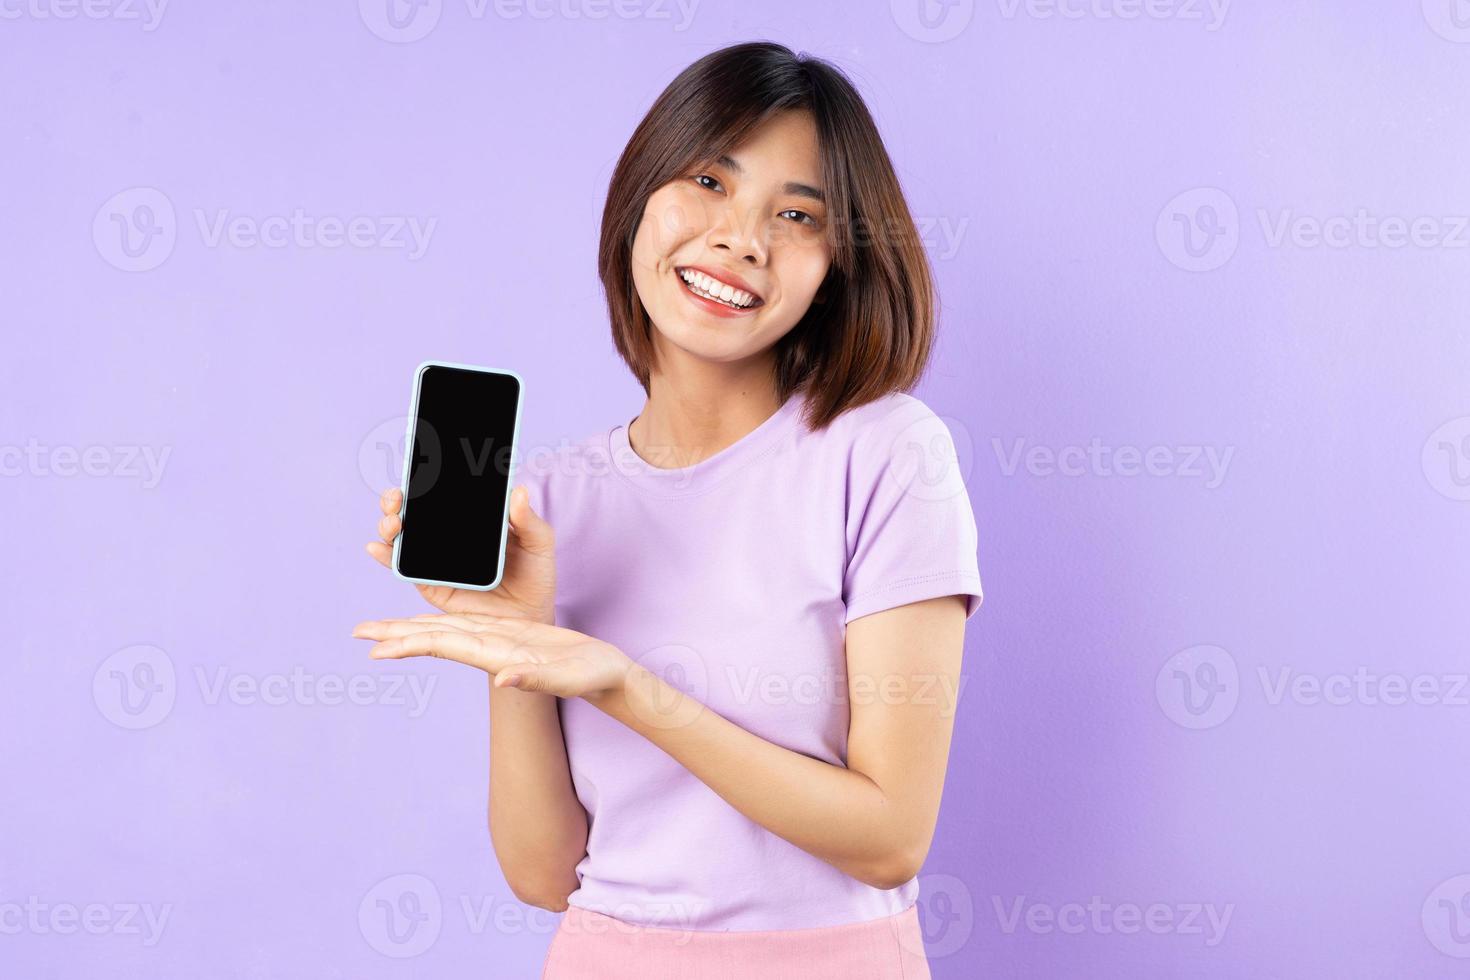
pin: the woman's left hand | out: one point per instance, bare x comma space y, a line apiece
519, 653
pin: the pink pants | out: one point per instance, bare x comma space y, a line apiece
592, 946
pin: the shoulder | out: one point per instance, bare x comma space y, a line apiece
875, 430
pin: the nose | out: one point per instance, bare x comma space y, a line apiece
739, 237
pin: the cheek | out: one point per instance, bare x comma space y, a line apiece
670, 218
803, 270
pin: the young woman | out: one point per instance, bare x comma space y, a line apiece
722, 693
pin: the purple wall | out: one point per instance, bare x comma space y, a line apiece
1204, 347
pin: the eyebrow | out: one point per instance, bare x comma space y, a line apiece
790, 187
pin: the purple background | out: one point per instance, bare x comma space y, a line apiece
1052, 150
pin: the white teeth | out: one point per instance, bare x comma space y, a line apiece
710, 288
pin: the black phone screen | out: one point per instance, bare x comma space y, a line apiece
460, 460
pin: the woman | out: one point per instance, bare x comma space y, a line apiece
722, 694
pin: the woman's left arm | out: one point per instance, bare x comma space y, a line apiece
873, 820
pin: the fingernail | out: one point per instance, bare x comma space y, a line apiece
513, 680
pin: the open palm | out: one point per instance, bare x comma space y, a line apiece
521, 653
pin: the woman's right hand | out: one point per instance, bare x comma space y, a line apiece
528, 588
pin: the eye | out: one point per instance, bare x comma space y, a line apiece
713, 184
801, 216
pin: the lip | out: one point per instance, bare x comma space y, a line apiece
725, 277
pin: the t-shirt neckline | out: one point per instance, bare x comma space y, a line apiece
686, 480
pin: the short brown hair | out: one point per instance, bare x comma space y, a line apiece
873, 331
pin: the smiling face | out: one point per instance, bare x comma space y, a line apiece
728, 258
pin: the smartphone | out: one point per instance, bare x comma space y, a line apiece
458, 464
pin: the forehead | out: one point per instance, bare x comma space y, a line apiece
783, 147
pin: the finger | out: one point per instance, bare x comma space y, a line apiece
550, 678
391, 500
382, 552
388, 629
388, 527
466, 648
382, 629
533, 533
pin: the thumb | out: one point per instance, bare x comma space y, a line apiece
534, 534
523, 677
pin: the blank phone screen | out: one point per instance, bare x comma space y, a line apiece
459, 475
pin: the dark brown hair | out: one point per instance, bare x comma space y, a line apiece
871, 332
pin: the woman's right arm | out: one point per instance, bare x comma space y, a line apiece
537, 824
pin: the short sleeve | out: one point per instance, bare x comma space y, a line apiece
911, 531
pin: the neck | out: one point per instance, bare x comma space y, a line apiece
701, 408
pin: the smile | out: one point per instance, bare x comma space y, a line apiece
709, 288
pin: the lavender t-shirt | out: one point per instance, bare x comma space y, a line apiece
734, 579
